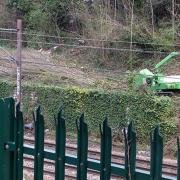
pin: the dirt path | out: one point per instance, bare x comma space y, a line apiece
39, 66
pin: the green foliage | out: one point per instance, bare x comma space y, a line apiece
139, 3
38, 19
47, 17
146, 111
131, 81
24, 6
105, 20
58, 11
6, 89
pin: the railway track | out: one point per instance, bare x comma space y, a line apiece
69, 170
49, 167
143, 163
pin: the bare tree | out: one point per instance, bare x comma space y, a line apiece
152, 17
132, 22
173, 20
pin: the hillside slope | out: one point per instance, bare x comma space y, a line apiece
90, 44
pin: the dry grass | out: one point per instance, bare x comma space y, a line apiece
45, 68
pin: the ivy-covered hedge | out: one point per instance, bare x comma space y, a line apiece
146, 111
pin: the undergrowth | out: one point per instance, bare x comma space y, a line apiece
146, 111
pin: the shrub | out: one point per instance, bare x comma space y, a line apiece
146, 111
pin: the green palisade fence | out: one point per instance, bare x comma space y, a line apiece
12, 149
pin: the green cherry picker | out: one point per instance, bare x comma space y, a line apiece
155, 81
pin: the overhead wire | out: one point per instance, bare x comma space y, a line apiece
93, 47
10, 56
83, 46
104, 40
48, 64
8, 30
5, 59
98, 40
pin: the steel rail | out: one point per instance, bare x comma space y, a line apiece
142, 163
52, 163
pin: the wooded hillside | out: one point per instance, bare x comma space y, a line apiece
146, 25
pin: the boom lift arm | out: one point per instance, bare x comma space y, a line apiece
166, 59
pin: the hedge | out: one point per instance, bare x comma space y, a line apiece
146, 111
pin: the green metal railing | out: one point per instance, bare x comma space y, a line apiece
12, 149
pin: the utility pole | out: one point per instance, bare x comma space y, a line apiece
18, 58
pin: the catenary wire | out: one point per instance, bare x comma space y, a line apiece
8, 30
11, 58
93, 47
98, 40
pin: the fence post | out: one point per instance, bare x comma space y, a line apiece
156, 154
130, 152
60, 147
178, 159
106, 148
39, 145
82, 149
18, 58
7, 118
19, 139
